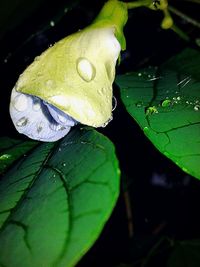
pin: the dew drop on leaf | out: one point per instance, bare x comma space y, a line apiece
85, 69
197, 107
166, 103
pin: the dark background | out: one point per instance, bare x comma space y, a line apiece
169, 209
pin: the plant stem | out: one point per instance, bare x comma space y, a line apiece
181, 33
184, 16
192, 1
138, 3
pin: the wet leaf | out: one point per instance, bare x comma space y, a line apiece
55, 202
12, 149
166, 104
185, 254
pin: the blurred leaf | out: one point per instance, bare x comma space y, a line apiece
187, 62
55, 202
12, 149
185, 254
166, 105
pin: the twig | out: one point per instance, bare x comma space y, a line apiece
129, 213
181, 33
184, 16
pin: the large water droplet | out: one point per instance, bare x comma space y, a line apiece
22, 122
166, 103
197, 107
20, 102
114, 103
85, 69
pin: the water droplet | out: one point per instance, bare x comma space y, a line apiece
57, 127
197, 107
102, 91
85, 69
40, 126
151, 110
22, 122
166, 103
5, 156
36, 104
20, 102
145, 129
114, 103
166, 154
139, 104
184, 169
64, 164
52, 23
50, 83
178, 98
139, 74
106, 123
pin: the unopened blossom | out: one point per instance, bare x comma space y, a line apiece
71, 82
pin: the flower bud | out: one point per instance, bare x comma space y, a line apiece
72, 80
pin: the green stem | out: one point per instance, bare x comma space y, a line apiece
181, 33
131, 5
192, 1
184, 16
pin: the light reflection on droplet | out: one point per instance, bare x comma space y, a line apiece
20, 102
197, 107
85, 69
22, 122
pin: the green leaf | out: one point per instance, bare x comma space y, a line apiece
187, 62
55, 202
166, 105
185, 254
12, 149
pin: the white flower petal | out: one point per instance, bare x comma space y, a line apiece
32, 118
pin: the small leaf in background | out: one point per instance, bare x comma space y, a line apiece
185, 254
55, 202
166, 104
12, 149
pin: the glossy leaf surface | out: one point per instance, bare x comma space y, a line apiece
165, 102
185, 254
55, 202
12, 149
